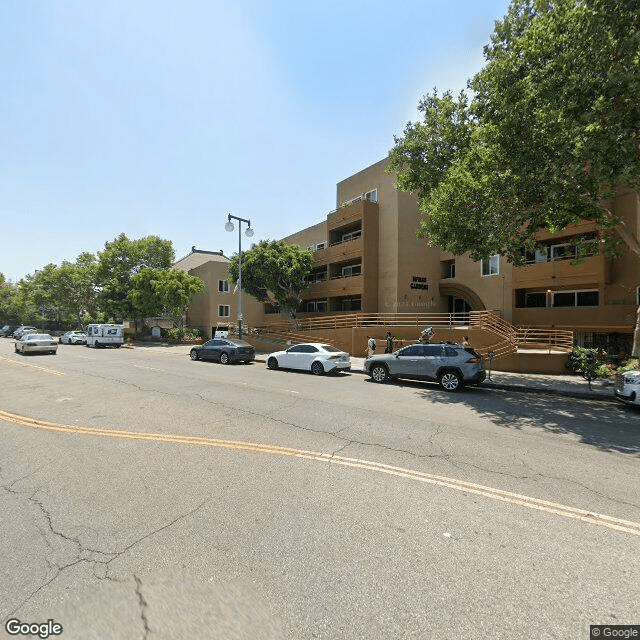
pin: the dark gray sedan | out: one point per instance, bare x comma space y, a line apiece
224, 351
450, 365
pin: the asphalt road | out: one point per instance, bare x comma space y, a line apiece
148, 496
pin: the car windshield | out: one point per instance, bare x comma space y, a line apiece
38, 336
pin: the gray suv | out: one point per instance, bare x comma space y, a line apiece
450, 365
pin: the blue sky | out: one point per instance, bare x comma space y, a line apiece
160, 117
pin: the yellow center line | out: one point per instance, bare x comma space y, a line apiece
589, 517
52, 372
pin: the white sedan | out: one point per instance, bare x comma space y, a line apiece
36, 343
73, 337
315, 357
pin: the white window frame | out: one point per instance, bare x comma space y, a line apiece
348, 271
563, 244
490, 266
321, 245
223, 286
352, 235
371, 196
224, 311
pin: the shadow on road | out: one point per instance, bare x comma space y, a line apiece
605, 425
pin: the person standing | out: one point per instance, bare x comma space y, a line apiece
389, 348
371, 346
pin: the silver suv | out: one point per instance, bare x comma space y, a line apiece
451, 365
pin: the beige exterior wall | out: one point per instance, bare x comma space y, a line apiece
203, 312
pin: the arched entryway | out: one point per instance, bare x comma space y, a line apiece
461, 300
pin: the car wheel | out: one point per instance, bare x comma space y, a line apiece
224, 358
379, 373
317, 369
193, 354
272, 363
450, 381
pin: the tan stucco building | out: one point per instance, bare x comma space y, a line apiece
367, 258
218, 303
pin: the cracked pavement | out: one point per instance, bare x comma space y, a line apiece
150, 539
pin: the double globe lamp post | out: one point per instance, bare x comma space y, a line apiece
248, 232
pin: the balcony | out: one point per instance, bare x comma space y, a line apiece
339, 252
339, 286
557, 273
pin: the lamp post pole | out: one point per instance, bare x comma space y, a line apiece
229, 226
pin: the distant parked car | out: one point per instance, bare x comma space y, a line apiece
36, 343
7, 330
73, 337
315, 357
627, 387
224, 351
23, 329
450, 365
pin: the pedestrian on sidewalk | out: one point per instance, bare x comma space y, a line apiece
371, 346
389, 348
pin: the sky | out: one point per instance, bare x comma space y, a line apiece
157, 117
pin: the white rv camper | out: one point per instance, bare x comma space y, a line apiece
105, 335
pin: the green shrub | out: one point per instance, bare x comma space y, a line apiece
579, 360
605, 370
629, 365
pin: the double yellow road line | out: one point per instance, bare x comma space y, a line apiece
51, 372
565, 511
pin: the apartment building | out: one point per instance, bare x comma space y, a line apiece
368, 259
218, 303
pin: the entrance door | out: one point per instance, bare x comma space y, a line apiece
460, 308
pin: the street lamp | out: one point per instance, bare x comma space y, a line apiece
229, 226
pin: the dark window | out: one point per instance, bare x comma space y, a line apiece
414, 350
432, 350
536, 299
450, 352
297, 349
587, 299
561, 299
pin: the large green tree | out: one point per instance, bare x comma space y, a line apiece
548, 132
163, 292
120, 260
274, 271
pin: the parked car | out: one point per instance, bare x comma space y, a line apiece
36, 343
73, 337
224, 351
450, 365
315, 357
23, 329
627, 387
7, 330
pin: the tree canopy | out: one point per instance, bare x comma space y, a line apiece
274, 271
162, 292
550, 128
120, 260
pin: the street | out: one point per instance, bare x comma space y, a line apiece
149, 496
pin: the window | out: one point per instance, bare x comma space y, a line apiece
491, 267
316, 306
448, 269
565, 251
223, 311
352, 235
350, 304
223, 286
351, 270
321, 245
371, 196
575, 299
412, 351
535, 299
